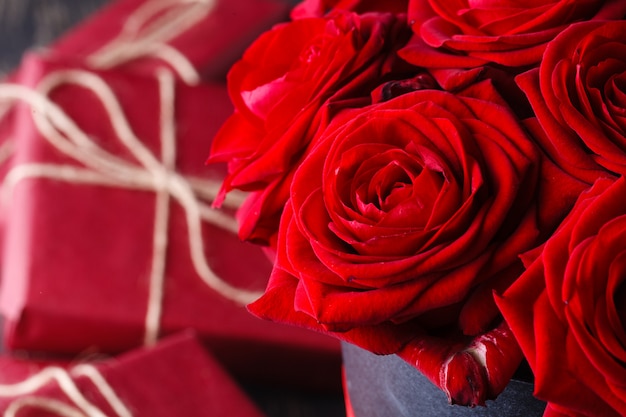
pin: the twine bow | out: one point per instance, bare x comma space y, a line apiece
81, 406
149, 174
146, 32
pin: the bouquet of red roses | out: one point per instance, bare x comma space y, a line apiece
442, 180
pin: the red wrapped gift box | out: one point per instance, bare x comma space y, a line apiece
177, 377
96, 210
205, 36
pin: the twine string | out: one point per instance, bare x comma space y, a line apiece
81, 407
105, 169
146, 32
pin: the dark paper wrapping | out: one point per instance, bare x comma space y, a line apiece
386, 386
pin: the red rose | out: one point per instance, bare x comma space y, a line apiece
318, 8
461, 34
568, 310
578, 97
405, 216
278, 89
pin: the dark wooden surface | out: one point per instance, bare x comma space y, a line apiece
27, 24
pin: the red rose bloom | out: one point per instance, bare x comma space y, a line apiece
278, 89
318, 8
405, 216
462, 34
568, 310
578, 96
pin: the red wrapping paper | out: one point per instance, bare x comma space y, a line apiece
210, 34
7, 116
77, 257
177, 377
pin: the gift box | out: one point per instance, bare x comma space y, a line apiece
196, 38
111, 241
177, 377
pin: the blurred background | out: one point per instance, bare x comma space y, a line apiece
32, 24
